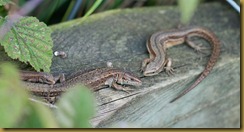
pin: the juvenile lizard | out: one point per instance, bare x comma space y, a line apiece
160, 41
94, 79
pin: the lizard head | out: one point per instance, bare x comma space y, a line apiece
151, 69
129, 79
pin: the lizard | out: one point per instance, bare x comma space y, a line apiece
160, 41
94, 79
40, 77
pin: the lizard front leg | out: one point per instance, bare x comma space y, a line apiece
144, 64
168, 67
112, 82
120, 87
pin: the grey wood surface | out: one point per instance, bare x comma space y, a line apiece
119, 36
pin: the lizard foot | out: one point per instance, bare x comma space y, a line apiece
169, 70
199, 48
127, 89
142, 69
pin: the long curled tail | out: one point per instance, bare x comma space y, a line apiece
211, 37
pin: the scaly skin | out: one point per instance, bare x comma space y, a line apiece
94, 79
41, 77
160, 41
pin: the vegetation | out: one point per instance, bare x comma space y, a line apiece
74, 109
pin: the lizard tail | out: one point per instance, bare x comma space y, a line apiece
202, 76
210, 36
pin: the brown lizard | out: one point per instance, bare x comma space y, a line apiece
40, 77
94, 79
160, 41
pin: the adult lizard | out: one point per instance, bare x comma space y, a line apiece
94, 79
160, 41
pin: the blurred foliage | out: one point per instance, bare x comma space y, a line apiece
3, 2
93, 8
12, 98
57, 11
46, 9
36, 115
74, 109
187, 9
3, 12
65, 8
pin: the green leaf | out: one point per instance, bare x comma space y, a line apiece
37, 116
187, 9
93, 8
12, 96
3, 2
75, 108
28, 40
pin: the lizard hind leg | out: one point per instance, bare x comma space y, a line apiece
60, 78
196, 47
168, 67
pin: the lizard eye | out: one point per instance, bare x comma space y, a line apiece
153, 72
